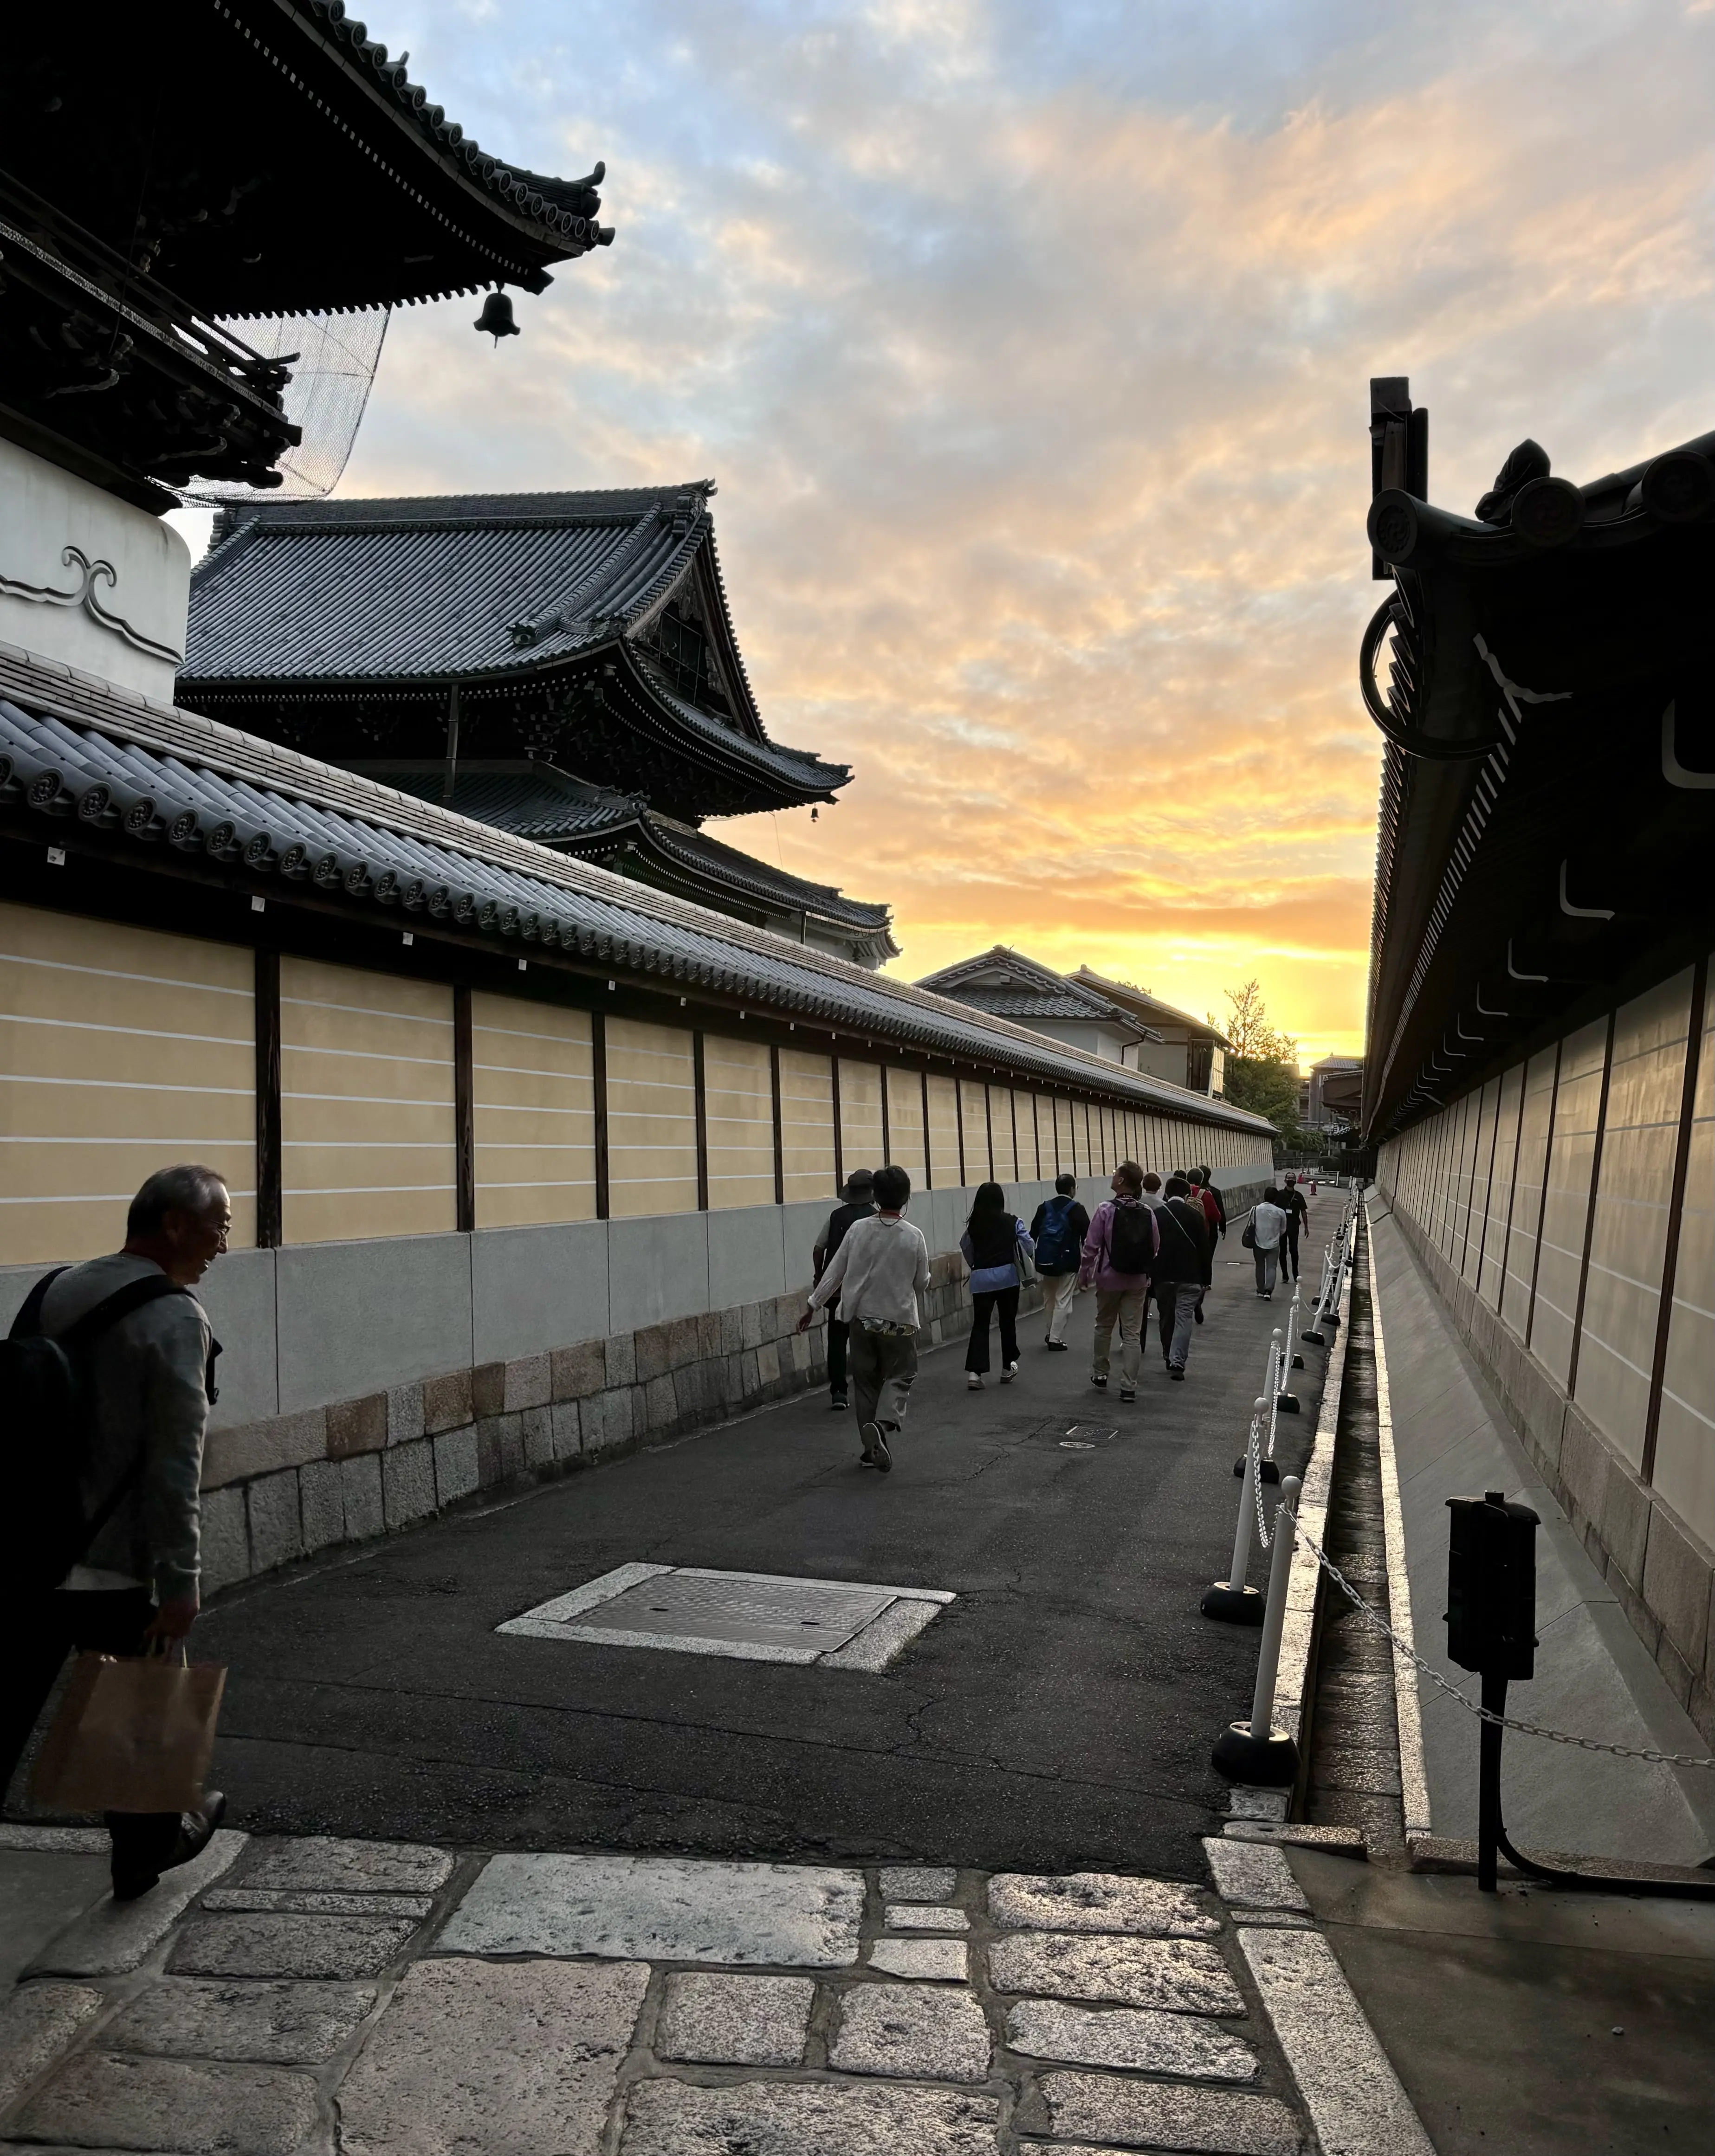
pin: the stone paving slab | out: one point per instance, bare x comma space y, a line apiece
1098, 1901
1117, 2114
330, 1949
650, 1908
782, 2118
80, 1840
115, 1936
98, 2100
1355, 2100
516, 2057
321, 1863
934, 1961
911, 2032
903, 1916
1254, 1875
1181, 1976
289, 1900
37, 2022
1137, 2039
918, 1882
734, 2020
273, 2024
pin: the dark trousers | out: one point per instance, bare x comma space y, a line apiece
1005, 1303
1289, 1253
837, 1332
51, 1627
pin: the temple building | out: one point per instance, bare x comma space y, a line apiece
526, 1155
560, 665
1123, 1024
1540, 1080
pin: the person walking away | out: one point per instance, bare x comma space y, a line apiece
1119, 1255
1297, 1212
1213, 1202
858, 1203
990, 1244
1268, 1223
141, 1347
1204, 1195
1183, 1272
878, 1272
1058, 1233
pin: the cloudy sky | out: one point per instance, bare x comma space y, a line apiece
1030, 346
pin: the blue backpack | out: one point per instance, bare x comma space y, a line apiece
1056, 1248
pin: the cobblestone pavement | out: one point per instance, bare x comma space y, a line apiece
289, 1996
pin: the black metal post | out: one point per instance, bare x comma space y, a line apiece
1489, 1828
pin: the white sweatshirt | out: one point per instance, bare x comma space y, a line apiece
880, 1269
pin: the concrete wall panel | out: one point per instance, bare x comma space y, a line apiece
356, 1317
747, 1260
237, 1291
658, 1267
536, 1288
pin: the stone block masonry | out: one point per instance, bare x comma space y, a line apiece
293, 1486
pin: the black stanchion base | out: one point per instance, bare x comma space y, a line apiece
1267, 1470
1332, 1322
1297, 1361
1287, 1403
1316, 1339
1242, 1606
1271, 1762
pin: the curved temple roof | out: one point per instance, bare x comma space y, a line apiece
75, 754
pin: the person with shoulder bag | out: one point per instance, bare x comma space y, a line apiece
1262, 1238
1058, 1232
999, 1250
858, 1203
108, 1379
1119, 1254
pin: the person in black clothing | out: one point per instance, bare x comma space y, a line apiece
1180, 1273
991, 1244
859, 1203
1204, 1178
1058, 1231
1297, 1212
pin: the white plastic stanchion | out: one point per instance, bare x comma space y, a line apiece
1255, 1750
1230, 1600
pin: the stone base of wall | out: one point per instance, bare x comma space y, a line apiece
281, 1489
1661, 1574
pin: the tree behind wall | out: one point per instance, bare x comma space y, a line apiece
1262, 1064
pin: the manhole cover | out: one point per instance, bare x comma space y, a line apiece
1077, 1436
752, 1616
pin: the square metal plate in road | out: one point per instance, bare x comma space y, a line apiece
1075, 1436
750, 1616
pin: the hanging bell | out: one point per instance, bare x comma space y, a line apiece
496, 319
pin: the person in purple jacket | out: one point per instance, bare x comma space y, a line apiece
1119, 1255
991, 1244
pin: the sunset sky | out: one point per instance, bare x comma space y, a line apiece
1030, 345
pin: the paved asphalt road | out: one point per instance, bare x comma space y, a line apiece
1058, 1714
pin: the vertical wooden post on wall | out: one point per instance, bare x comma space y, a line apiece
1535, 1254
886, 1120
958, 1119
928, 1142
599, 1075
1589, 1216
699, 1114
779, 1128
464, 1110
269, 1176
839, 1146
988, 1126
1676, 1206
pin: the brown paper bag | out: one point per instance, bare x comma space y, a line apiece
130, 1736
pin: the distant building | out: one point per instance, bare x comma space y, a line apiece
1331, 1097
1109, 1019
1188, 1051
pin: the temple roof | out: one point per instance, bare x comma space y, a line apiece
301, 606
621, 830
86, 763
1547, 782
1010, 985
1149, 1008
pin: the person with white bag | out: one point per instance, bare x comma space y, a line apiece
112, 1546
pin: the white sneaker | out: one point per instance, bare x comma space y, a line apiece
1009, 1371
974, 1383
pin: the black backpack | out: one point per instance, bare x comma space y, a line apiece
44, 1428
1131, 1241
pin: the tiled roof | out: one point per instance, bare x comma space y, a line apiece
1150, 1009
774, 886
1030, 990
76, 752
546, 805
